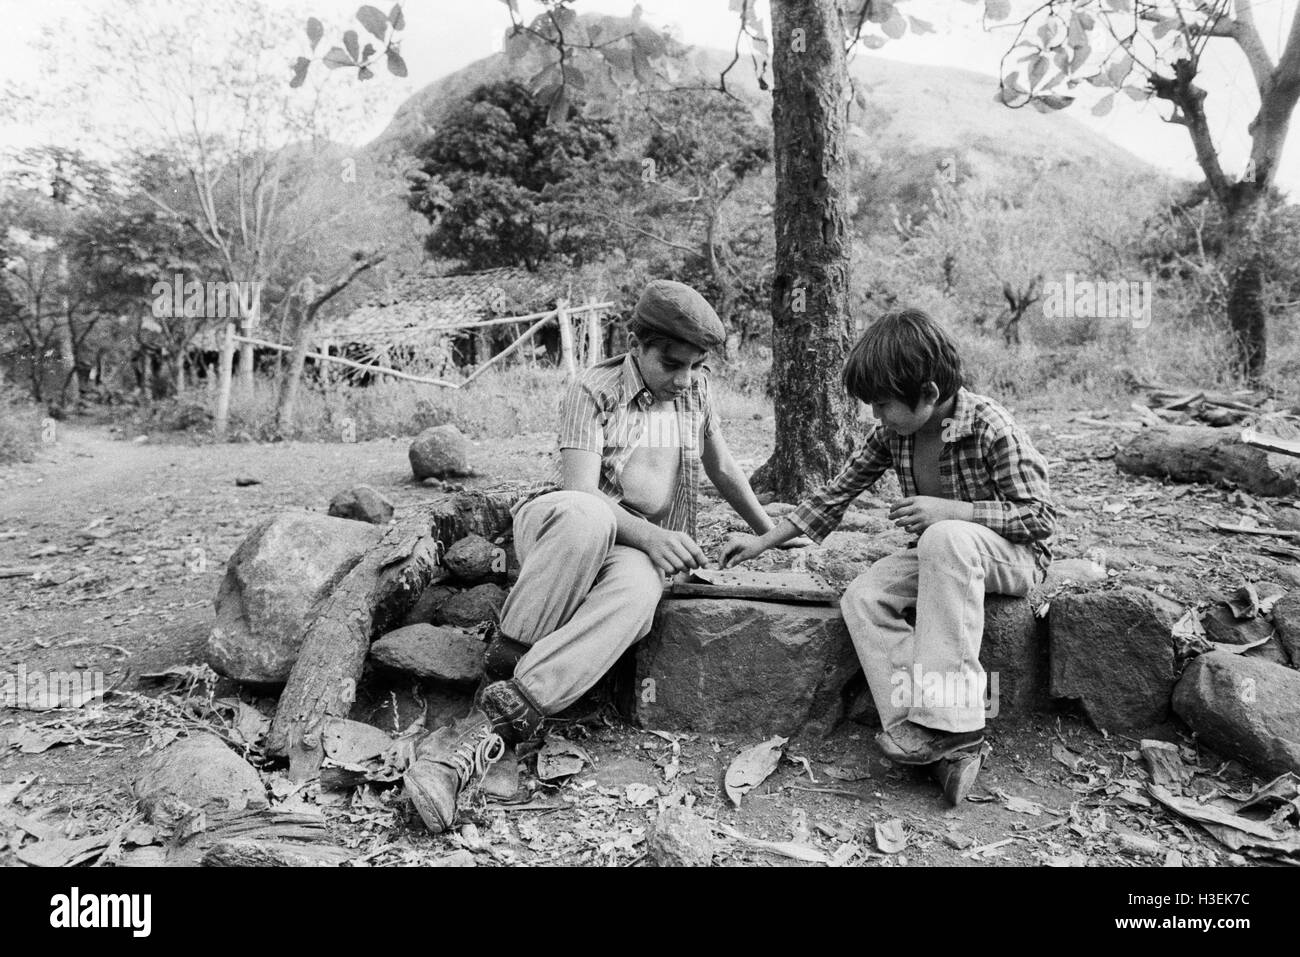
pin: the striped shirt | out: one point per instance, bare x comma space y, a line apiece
607, 411
986, 460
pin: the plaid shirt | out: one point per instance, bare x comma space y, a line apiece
986, 460
606, 411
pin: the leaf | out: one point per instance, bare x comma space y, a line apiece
997, 9
351, 44
338, 57
1165, 764
367, 51
920, 26
353, 742
1244, 602
300, 66
314, 31
752, 767
1065, 756
1053, 101
373, 19
895, 26
560, 758
396, 65
396, 17
1021, 805
574, 77
1037, 71
890, 836
1103, 106
881, 11
34, 740
639, 795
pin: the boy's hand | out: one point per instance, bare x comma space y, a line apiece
919, 512
739, 548
673, 552
799, 541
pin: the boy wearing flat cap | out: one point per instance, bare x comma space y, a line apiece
597, 541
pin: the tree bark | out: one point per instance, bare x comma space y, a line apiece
810, 288
374, 598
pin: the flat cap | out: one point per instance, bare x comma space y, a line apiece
678, 311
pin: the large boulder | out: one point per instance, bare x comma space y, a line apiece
362, 503
1013, 651
197, 773
438, 452
1286, 620
471, 607
427, 651
1113, 651
1243, 708
274, 582
732, 665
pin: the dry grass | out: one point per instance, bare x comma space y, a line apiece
20, 428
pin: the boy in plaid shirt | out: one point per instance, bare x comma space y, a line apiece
975, 493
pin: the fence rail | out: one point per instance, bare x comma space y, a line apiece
561, 314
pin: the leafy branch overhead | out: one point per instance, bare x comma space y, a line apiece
383, 27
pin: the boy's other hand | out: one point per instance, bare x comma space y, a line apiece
739, 548
673, 552
919, 512
799, 541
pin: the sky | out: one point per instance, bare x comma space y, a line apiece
444, 35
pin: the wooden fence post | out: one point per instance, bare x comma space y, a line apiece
223, 389
566, 339
595, 350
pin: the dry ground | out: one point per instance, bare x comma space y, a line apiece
137, 533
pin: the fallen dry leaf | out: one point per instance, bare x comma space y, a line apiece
752, 767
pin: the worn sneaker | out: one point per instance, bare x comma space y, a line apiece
956, 773
449, 762
910, 743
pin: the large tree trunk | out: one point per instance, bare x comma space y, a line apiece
374, 598
810, 288
1247, 318
292, 379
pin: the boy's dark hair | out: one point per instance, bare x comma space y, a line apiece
898, 354
649, 336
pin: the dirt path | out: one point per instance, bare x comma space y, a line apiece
136, 535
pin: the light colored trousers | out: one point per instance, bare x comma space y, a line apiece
580, 600
930, 673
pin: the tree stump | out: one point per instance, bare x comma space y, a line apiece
373, 599
1189, 453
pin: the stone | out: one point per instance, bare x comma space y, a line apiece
1286, 621
362, 503
1113, 651
1270, 650
427, 605
1221, 625
474, 559
756, 667
428, 651
1013, 651
274, 582
471, 607
1243, 708
198, 772
438, 452
680, 838
1289, 575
